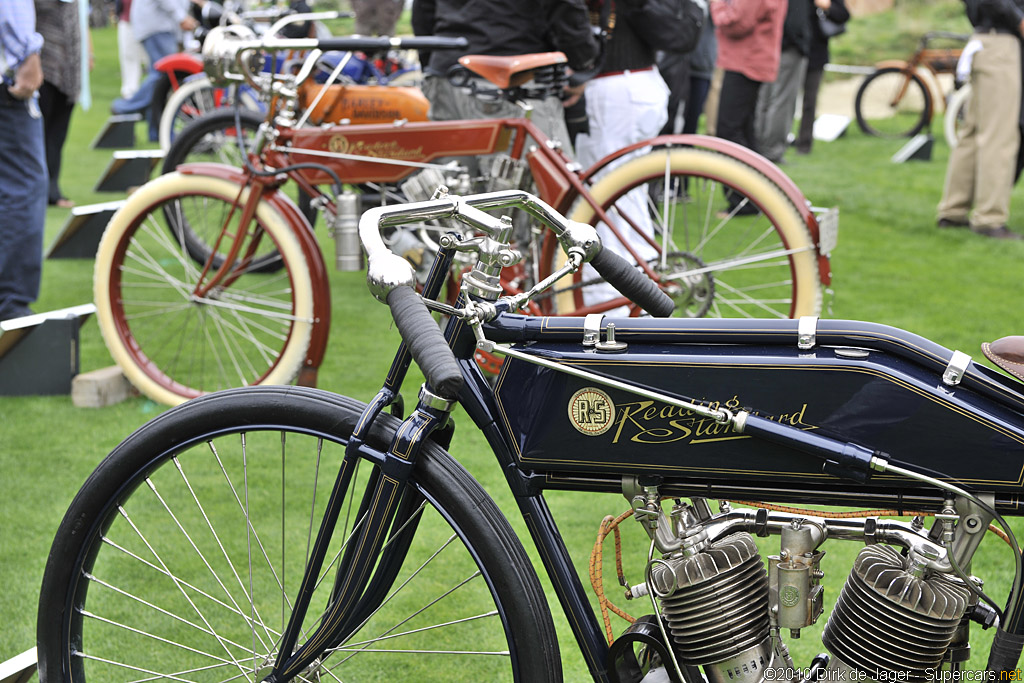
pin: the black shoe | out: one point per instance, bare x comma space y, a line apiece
951, 223
1000, 232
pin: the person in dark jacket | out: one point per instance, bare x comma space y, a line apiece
817, 58
499, 27
776, 103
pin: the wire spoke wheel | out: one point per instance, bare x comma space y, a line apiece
729, 242
180, 328
893, 104
191, 556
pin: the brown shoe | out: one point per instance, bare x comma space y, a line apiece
1000, 232
952, 223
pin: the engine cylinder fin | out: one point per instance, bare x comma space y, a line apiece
887, 619
715, 602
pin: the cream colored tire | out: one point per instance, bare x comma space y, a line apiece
174, 342
761, 265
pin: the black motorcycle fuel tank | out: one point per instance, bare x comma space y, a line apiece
871, 385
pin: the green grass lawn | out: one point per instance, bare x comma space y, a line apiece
892, 266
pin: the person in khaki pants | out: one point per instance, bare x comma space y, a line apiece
981, 167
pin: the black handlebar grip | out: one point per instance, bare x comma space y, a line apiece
374, 44
425, 341
632, 283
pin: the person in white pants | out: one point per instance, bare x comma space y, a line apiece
129, 51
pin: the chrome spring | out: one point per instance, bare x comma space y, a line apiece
716, 601
887, 619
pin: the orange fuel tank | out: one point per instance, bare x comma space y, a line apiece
364, 103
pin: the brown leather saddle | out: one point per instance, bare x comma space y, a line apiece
513, 70
1007, 353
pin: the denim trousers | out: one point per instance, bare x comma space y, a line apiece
157, 46
23, 186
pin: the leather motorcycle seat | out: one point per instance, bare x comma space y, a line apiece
1007, 353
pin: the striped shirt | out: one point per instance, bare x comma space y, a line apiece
18, 36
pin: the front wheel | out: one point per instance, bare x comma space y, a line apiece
730, 242
174, 330
893, 103
182, 555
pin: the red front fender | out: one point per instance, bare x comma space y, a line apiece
744, 155
180, 61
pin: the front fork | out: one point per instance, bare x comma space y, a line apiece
387, 517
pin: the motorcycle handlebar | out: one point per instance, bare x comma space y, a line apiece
425, 341
388, 273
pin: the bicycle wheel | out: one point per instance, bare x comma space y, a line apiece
181, 555
956, 114
717, 262
213, 136
176, 337
197, 96
890, 104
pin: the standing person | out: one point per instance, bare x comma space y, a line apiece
23, 176
627, 101
979, 177
776, 102
818, 57
130, 54
500, 27
749, 34
702, 69
157, 24
57, 21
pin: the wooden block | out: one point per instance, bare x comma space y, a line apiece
99, 388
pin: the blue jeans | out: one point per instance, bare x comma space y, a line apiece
23, 186
157, 46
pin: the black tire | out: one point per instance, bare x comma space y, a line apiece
96, 589
214, 137
162, 93
883, 112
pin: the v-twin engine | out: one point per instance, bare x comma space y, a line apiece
903, 612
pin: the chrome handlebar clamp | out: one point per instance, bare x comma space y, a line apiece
383, 272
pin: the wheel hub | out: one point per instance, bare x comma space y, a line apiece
693, 292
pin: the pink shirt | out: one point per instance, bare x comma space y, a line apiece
749, 36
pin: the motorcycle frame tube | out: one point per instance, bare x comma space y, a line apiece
420, 143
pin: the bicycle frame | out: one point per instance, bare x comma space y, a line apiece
931, 61
766, 362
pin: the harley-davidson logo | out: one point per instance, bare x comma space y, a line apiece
591, 411
385, 149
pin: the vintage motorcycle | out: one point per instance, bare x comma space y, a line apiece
286, 533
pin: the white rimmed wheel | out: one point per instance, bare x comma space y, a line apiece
196, 97
179, 328
754, 260
181, 557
